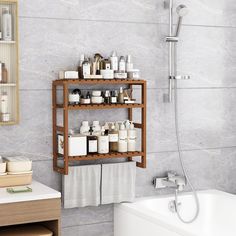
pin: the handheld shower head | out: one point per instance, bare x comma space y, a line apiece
182, 11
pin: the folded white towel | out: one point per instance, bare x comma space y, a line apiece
82, 186
118, 182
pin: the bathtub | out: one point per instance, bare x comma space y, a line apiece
152, 217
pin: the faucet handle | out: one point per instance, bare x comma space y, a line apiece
171, 174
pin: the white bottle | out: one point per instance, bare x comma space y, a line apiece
84, 129
122, 65
114, 61
103, 142
4, 103
129, 64
132, 136
1, 79
122, 143
6, 25
127, 124
96, 128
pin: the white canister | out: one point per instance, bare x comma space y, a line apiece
4, 102
97, 100
103, 144
96, 93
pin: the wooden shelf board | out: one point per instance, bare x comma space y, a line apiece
100, 106
8, 123
8, 85
105, 156
99, 81
7, 42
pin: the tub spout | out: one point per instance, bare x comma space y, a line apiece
171, 181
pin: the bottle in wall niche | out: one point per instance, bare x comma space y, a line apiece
113, 139
103, 142
4, 73
114, 61
121, 96
84, 129
122, 144
92, 142
96, 128
122, 66
6, 24
129, 64
132, 137
4, 102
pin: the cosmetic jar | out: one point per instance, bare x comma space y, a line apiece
97, 100
96, 93
85, 100
107, 74
74, 98
134, 74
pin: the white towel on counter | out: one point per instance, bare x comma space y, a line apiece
81, 187
118, 182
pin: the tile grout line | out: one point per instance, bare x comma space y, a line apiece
123, 22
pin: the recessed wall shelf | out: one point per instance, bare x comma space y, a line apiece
64, 84
9, 86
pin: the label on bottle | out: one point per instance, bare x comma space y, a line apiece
86, 69
113, 99
93, 147
113, 138
103, 144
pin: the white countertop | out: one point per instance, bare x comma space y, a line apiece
39, 192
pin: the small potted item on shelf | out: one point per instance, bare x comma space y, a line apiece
74, 97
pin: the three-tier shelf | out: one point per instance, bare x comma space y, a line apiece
64, 85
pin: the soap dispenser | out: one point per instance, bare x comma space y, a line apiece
92, 142
122, 144
132, 137
113, 138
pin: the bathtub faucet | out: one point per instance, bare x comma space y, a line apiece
171, 181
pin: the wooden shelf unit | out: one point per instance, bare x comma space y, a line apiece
64, 85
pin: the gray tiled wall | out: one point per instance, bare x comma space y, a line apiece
52, 36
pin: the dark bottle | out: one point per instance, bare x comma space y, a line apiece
107, 97
113, 98
92, 142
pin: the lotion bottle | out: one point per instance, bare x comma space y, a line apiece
121, 96
7, 24
122, 144
103, 142
129, 64
114, 61
132, 136
122, 65
84, 129
113, 139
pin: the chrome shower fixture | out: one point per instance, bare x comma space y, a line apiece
172, 39
182, 11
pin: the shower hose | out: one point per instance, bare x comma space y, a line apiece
185, 172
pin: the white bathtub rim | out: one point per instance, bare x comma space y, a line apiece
157, 218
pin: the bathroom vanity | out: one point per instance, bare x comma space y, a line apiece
41, 206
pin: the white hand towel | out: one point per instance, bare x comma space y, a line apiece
82, 186
118, 182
